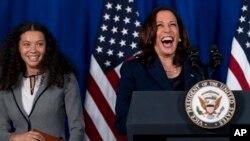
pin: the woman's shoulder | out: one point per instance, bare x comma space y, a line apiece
133, 63
70, 76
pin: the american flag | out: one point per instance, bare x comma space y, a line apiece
238, 77
117, 41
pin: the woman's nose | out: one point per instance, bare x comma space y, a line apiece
33, 47
167, 28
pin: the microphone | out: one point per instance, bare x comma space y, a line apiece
215, 57
194, 58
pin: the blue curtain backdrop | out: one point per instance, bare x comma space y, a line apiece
75, 24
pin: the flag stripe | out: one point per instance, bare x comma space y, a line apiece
238, 77
232, 81
102, 83
102, 105
92, 133
113, 78
240, 56
97, 118
236, 69
100, 101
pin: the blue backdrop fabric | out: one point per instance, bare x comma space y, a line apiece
75, 24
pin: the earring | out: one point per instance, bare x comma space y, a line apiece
179, 39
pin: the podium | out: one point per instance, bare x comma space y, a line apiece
161, 116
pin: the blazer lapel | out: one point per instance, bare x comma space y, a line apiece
43, 86
16, 89
158, 74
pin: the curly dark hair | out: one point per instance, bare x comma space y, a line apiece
147, 35
12, 63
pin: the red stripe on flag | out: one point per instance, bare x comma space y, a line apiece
237, 71
103, 106
113, 78
90, 129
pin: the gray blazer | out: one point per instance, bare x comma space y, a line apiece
51, 108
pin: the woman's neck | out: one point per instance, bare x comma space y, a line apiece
30, 72
167, 62
169, 67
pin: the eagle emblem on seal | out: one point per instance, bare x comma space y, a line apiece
210, 102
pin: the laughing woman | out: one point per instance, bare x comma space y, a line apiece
162, 64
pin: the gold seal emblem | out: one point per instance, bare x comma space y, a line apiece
210, 104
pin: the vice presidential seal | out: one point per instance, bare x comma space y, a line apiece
210, 104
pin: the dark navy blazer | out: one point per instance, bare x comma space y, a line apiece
135, 77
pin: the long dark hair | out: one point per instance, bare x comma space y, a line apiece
148, 35
12, 64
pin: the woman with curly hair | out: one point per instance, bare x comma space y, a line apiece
38, 88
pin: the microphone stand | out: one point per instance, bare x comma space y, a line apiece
215, 60
205, 70
194, 61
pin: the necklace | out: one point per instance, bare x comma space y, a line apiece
32, 84
33, 79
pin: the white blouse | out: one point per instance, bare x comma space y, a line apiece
27, 96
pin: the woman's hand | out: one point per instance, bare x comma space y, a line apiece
28, 136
